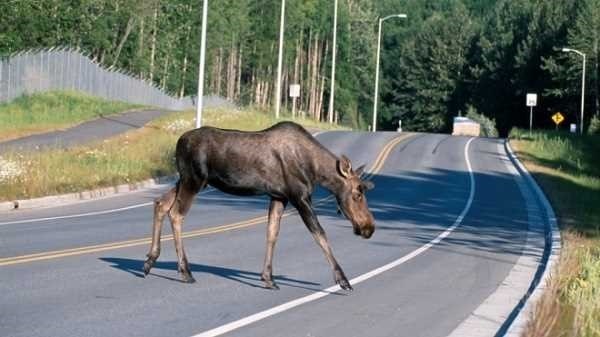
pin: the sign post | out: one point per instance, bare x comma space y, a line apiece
294, 94
531, 102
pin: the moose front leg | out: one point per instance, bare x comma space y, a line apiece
276, 209
312, 223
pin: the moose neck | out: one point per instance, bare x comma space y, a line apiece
328, 175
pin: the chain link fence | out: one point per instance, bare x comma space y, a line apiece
66, 69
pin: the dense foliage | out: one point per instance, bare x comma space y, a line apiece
448, 54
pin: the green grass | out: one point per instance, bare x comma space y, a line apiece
568, 169
129, 158
49, 111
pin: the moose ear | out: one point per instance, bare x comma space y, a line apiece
359, 171
344, 166
368, 185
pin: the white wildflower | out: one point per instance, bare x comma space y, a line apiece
95, 154
179, 125
9, 170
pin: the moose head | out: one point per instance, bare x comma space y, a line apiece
351, 198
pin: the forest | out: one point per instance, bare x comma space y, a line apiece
446, 58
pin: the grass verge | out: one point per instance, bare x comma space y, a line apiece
567, 167
42, 112
131, 157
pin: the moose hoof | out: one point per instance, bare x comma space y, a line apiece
147, 266
344, 284
188, 278
269, 284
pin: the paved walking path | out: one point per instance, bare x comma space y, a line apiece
97, 129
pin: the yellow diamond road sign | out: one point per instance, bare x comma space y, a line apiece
558, 118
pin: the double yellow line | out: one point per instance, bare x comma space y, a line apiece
385, 152
377, 166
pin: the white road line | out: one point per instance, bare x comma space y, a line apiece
322, 293
81, 215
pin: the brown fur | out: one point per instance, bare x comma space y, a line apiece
284, 162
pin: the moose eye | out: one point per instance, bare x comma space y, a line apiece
357, 196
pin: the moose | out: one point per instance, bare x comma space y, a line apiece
284, 162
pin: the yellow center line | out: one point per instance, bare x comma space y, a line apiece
377, 166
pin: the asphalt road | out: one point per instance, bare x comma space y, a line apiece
89, 131
450, 228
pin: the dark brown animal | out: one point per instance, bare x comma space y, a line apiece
284, 162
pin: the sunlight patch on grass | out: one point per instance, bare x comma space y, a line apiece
43, 112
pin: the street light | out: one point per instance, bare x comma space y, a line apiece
332, 92
280, 61
401, 16
201, 70
568, 50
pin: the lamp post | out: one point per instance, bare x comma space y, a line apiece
332, 91
375, 98
568, 50
280, 60
201, 70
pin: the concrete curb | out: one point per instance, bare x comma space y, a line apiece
553, 247
98, 193
507, 310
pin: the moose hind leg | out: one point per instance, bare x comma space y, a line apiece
276, 209
161, 208
185, 197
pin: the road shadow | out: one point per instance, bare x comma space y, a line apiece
420, 205
249, 278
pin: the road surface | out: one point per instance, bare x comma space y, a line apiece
451, 223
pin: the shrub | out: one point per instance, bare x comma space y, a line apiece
488, 126
594, 126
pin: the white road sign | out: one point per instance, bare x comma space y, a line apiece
294, 90
531, 99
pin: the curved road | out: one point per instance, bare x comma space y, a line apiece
452, 222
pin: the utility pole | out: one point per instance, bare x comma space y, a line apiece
201, 70
334, 52
567, 50
376, 96
280, 61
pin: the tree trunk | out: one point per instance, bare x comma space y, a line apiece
128, 29
315, 77
141, 39
231, 72
188, 31
285, 86
238, 95
322, 56
219, 72
311, 71
165, 70
597, 77
301, 81
183, 73
153, 43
